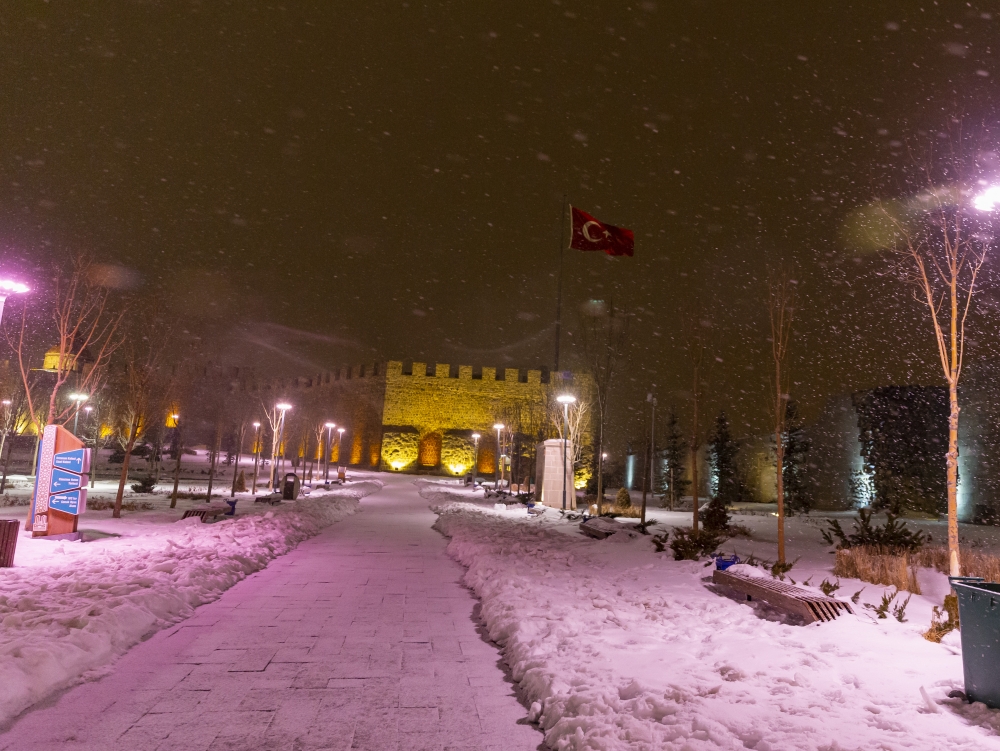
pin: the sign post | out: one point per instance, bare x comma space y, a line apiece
60, 485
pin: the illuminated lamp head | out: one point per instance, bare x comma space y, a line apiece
988, 199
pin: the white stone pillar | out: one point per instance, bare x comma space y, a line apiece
549, 474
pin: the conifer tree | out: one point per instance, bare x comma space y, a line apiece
798, 495
722, 454
674, 453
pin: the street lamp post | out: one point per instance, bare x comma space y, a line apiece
340, 447
177, 464
475, 462
604, 455
256, 457
652, 453
8, 286
79, 399
496, 480
93, 469
282, 407
329, 447
566, 400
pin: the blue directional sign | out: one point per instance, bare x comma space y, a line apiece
73, 502
63, 480
75, 461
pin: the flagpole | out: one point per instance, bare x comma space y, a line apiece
562, 248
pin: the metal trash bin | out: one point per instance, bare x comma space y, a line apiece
979, 615
9, 529
290, 488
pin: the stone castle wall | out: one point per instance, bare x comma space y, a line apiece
432, 410
419, 417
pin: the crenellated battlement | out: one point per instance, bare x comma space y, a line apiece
417, 369
393, 369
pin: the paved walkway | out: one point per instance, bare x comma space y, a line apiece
361, 638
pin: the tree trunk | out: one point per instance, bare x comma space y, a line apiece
177, 471
6, 461
600, 464
34, 461
211, 466
645, 473
673, 492
133, 431
256, 461
954, 562
239, 454
694, 458
779, 451
694, 486
642, 519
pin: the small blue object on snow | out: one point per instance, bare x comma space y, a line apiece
722, 562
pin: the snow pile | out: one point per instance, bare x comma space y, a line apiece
618, 647
77, 606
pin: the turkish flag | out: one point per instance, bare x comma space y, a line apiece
591, 234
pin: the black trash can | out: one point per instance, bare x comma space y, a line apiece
9, 529
979, 616
290, 489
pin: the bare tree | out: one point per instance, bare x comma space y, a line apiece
274, 417
14, 418
87, 328
939, 246
605, 337
578, 420
780, 308
696, 356
141, 382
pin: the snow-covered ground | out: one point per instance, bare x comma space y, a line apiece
68, 609
616, 646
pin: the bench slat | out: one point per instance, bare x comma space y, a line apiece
787, 597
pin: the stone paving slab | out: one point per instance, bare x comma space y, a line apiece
361, 638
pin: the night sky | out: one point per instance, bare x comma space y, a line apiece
335, 183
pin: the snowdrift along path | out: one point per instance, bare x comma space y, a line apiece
619, 647
67, 619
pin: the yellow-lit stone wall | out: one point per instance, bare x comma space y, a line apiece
446, 407
413, 421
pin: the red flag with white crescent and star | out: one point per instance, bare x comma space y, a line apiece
592, 234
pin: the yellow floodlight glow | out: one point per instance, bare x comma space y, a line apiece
397, 465
457, 469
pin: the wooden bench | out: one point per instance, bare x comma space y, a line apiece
787, 597
207, 514
273, 498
